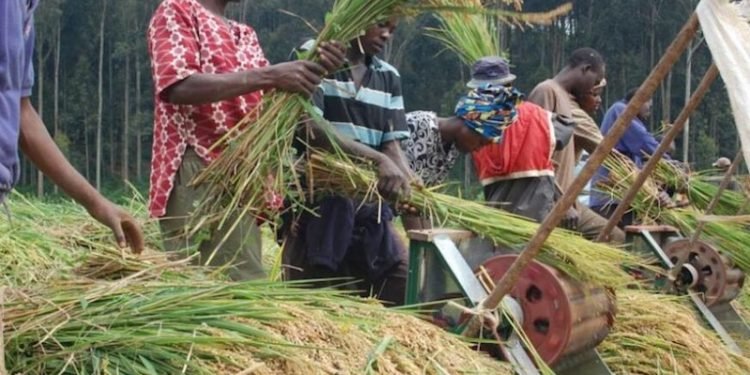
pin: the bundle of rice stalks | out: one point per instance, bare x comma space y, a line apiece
569, 252
658, 334
470, 36
700, 191
475, 35
141, 327
730, 237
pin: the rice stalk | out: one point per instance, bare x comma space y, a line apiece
701, 191
470, 36
567, 251
209, 327
660, 334
730, 237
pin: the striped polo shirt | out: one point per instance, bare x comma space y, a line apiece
372, 115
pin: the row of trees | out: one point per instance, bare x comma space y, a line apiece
94, 91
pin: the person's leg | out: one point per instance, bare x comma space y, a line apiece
390, 288
174, 225
590, 224
239, 251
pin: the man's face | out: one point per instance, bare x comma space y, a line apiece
645, 111
588, 77
376, 37
592, 101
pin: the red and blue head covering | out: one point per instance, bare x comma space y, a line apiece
489, 109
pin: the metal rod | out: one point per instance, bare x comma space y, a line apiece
648, 87
680, 122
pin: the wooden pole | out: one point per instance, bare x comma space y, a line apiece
646, 90
653, 161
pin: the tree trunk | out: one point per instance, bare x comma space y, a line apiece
139, 120
56, 96
126, 122
111, 114
101, 98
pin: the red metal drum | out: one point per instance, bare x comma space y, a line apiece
561, 317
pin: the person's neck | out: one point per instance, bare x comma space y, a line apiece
565, 80
216, 7
448, 128
355, 56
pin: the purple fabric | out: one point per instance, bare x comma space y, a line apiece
634, 143
16, 80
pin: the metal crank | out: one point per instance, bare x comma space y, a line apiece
562, 319
706, 276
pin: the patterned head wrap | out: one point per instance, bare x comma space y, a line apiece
489, 110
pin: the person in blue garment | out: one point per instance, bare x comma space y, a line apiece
637, 144
21, 128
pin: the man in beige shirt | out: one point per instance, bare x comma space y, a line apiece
584, 70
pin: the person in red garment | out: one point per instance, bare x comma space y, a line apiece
517, 173
209, 72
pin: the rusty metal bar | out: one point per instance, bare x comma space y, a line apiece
679, 124
647, 89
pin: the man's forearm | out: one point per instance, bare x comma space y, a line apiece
202, 88
392, 149
39, 147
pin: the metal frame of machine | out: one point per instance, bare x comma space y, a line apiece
705, 276
441, 244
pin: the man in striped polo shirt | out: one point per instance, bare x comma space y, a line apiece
364, 103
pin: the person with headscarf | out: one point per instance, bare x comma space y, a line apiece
480, 118
435, 143
517, 172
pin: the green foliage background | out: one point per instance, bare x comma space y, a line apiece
631, 34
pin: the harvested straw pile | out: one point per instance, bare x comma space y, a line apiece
60, 240
141, 327
94, 309
569, 252
658, 334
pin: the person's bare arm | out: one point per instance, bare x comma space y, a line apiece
39, 147
294, 76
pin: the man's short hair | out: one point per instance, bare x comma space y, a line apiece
584, 56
